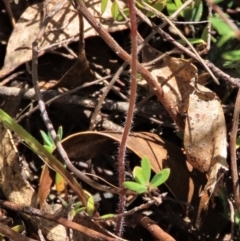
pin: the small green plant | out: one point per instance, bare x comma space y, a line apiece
49, 145
142, 177
77, 207
48, 142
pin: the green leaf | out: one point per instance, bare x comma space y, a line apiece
103, 5
160, 177
60, 133
18, 228
232, 55
194, 11
171, 7
59, 182
115, 9
139, 176
159, 5
193, 41
120, 17
90, 206
220, 25
80, 210
48, 148
146, 168
204, 35
197, 11
134, 186
46, 140
77, 205
178, 3
223, 29
217, 1
238, 142
110, 215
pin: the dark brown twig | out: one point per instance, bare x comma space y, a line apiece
234, 168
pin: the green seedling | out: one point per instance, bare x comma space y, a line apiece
79, 208
49, 145
48, 142
142, 177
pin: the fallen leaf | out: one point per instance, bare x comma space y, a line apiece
205, 137
205, 128
161, 153
63, 27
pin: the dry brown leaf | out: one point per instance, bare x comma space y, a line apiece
205, 137
63, 27
205, 129
161, 154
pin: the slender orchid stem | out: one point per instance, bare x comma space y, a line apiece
128, 124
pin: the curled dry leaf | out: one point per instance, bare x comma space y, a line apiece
205, 128
63, 28
161, 154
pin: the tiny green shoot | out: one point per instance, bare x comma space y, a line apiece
142, 177
49, 145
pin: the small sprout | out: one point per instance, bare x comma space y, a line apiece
49, 145
142, 177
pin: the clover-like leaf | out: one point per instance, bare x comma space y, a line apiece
139, 176
146, 168
134, 186
160, 177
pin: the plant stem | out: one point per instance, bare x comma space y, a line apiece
128, 124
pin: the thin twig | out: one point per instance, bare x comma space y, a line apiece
234, 167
